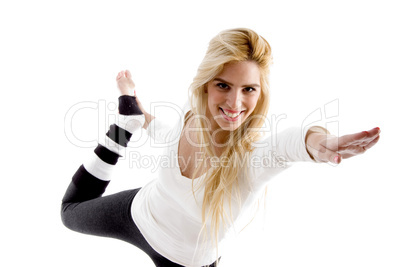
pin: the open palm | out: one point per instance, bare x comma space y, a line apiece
329, 148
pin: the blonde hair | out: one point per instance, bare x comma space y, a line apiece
220, 182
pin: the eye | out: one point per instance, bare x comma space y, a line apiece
222, 85
249, 89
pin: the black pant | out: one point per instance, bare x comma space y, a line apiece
108, 216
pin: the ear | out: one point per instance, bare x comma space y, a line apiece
205, 88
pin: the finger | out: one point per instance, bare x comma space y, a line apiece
128, 74
374, 131
361, 138
346, 155
337, 159
354, 150
352, 139
368, 141
351, 151
372, 134
324, 154
330, 156
372, 143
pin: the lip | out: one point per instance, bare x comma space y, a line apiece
232, 111
229, 118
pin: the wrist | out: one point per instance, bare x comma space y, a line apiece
312, 134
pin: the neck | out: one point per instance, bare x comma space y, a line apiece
220, 137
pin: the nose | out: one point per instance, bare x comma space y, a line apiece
234, 99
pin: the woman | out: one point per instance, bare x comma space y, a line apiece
184, 217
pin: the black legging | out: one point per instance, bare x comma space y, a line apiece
87, 212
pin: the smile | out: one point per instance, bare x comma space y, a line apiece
230, 116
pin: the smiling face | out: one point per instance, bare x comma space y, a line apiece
232, 95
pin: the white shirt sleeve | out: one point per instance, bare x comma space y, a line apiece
275, 153
162, 132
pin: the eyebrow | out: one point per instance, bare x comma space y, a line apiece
231, 84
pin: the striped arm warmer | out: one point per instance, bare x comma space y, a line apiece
95, 174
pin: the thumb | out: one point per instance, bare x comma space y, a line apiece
325, 155
328, 151
332, 157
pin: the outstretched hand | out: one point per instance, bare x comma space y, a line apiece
330, 148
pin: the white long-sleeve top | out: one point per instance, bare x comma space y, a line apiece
169, 216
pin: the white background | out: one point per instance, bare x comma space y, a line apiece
57, 54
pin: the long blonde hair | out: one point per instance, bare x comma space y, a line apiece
233, 45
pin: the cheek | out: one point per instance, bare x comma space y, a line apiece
253, 103
212, 103
215, 98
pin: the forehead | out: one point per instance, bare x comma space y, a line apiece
241, 72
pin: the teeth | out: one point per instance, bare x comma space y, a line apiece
232, 115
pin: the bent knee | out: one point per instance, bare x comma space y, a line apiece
66, 215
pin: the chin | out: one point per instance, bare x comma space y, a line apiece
229, 127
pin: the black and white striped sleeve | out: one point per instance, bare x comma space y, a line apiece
98, 168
